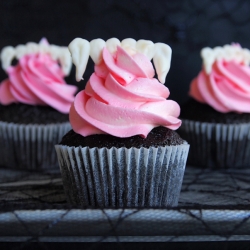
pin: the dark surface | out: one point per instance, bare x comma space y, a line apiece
196, 111
159, 136
28, 114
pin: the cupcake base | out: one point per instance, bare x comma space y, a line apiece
122, 177
217, 145
30, 146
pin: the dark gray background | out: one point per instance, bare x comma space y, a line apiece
186, 25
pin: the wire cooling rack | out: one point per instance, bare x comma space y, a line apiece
213, 205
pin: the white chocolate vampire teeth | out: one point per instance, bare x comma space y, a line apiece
227, 53
81, 49
162, 60
57, 53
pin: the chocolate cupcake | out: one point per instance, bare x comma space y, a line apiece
216, 120
122, 151
34, 105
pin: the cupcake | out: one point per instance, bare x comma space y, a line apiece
34, 105
216, 120
123, 150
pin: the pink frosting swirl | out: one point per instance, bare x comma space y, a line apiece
226, 88
123, 99
37, 80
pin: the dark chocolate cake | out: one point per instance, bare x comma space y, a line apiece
29, 114
196, 111
159, 136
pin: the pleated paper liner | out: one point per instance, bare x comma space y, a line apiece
217, 145
30, 147
122, 177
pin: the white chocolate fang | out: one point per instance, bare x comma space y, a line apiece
55, 51
32, 48
44, 48
210, 58
65, 60
232, 52
129, 44
146, 47
111, 44
79, 49
219, 53
7, 55
162, 60
238, 54
246, 56
96, 47
20, 51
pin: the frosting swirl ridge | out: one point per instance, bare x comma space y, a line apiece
123, 99
226, 88
37, 80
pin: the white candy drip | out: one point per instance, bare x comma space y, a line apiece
81, 49
57, 53
227, 53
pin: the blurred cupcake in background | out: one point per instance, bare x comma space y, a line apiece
123, 150
216, 120
34, 104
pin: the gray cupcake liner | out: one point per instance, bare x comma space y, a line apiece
217, 145
30, 146
121, 177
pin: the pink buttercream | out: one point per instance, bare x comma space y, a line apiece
37, 80
123, 99
226, 88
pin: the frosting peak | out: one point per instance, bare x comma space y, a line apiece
37, 80
123, 99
